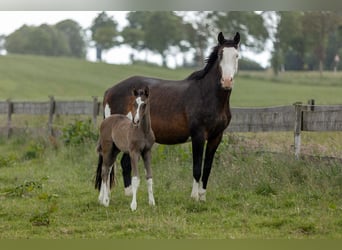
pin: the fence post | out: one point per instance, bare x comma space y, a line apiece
95, 110
297, 128
311, 104
9, 117
51, 113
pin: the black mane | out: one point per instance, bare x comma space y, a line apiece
210, 61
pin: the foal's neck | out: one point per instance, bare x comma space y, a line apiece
145, 124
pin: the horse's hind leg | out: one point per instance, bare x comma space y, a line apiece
147, 163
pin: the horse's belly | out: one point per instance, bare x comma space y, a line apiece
170, 131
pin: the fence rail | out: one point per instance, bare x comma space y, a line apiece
297, 117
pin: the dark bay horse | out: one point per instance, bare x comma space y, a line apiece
195, 108
118, 133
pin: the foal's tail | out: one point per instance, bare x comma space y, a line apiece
98, 178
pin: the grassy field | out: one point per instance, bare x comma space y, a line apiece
256, 189
35, 78
46, 191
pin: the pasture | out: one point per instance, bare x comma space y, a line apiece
256, 189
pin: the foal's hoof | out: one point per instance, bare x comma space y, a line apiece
104, 201
151, 202
133, 206
128, 191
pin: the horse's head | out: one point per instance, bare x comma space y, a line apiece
139, 106
228, 59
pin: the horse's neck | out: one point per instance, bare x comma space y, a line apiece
212, 88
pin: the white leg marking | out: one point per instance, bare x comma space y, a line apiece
194, 192
128, 191
104, 194
135, 185
107, 111
150, 192
202, 193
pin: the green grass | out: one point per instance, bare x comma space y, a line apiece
256, 189
36, 77
250, 195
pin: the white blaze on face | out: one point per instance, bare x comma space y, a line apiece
137, 116
107, 111
229, 66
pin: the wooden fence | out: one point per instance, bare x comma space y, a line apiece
297, 117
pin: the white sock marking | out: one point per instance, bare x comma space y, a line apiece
135, 185
194, 192
150, 192
107, 111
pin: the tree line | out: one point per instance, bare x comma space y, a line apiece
308, 41
301, 40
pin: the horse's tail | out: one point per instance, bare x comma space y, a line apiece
98, 178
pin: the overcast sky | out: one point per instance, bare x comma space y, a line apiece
12, 20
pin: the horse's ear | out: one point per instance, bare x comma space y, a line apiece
220, 38
135, 92
147, 91
237, 38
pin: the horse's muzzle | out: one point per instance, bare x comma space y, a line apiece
227, 83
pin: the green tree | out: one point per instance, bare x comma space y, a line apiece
291, 46
317, 27
156, 31
250, 25
104, 31
42, 40
2, 42
75, 37
134, 34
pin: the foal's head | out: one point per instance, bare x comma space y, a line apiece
228, 59
140, 104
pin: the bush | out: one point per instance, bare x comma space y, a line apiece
79, 132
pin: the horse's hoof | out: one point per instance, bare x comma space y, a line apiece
202, 195
194, 196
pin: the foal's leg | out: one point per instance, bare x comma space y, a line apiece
197, 156
135, 179
147, 163
107, 167
211, 148
126, 173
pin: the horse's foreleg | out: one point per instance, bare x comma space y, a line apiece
210, 151
197, 156
147, 163
126, 173
135, 180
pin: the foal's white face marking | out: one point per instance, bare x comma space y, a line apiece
137, 116
107, 111
229, 66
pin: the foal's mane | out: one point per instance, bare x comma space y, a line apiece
210, 61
